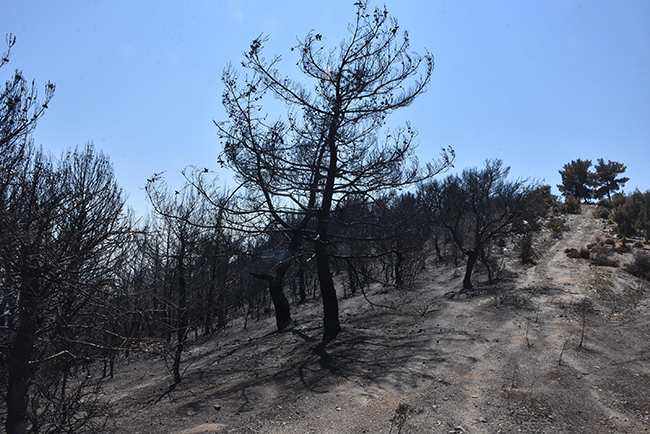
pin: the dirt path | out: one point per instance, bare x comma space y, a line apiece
505, 359
554, 269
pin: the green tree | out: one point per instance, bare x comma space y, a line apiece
631, 213
605, 178
577, 180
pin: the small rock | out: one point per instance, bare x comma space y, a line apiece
482, 419
338, 408
217, 407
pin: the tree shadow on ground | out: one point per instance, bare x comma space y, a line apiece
387, 359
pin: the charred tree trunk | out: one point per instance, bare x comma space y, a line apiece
280, 301
18, 359
331, 324
399, 261
301, 284
182, 322
207, 318
222, 310
352, 278
282, 308
472, 256
436, 244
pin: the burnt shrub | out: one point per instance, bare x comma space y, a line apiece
622, 248
603, 260
556, 225
527, 253
572, 253
640, 266
575, 253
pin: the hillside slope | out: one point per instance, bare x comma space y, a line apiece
504, 359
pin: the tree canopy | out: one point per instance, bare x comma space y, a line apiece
582, 183
577, 180
605, 178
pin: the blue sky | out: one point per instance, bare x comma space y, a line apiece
535, 83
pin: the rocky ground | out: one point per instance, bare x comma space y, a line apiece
559, 347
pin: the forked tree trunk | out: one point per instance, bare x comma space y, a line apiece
280, 301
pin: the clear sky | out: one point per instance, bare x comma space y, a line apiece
535, 83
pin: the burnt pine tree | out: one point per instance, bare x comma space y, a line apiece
605, 178
64, 226
20, 110
182, 218
328, 146
479, 207
241, 213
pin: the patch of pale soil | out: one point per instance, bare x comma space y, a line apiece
505, 358
204, 428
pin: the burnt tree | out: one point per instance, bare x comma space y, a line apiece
331, 144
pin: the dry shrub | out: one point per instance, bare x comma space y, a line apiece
601, 213
622, 248
571, 205
557, 226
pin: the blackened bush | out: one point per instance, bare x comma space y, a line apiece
527, 252
574, 253
640, 267
601, 258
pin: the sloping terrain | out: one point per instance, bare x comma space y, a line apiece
561, 347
